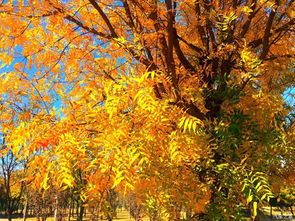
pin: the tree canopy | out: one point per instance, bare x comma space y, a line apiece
178, 101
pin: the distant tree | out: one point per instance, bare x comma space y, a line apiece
2, 196
111, 204
43, 203
134, 206
13, 185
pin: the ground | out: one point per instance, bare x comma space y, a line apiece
124, 216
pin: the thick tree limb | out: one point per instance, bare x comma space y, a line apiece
193, 47
247, 24
285, 26
128, 13
79, 23
105, 18
189, 108
186, 64
280, 56
285, 11
170, 59
266, 36
91, 30
200, 28
257, 42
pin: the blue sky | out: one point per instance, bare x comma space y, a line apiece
289, 96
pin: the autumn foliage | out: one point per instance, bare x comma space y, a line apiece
179, 101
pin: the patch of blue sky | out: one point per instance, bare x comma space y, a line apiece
31, 75
289, 96
7, 69
17, 58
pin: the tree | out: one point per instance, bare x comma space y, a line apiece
186, 95
13, 185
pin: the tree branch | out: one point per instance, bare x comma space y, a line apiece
128, 13
266, 36
193, 47
247, 24
255, 43
170, 59
105, 18
186, 64
189, 108
200, 28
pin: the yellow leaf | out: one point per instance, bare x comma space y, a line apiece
255, 209
117, 181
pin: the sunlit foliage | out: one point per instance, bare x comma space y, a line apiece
177, 101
